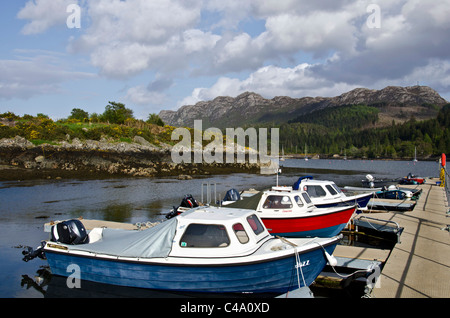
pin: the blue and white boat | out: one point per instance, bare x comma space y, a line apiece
206, 250
325, 194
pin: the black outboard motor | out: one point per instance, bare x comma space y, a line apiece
70, 232
29, 254
232, 195
187, 202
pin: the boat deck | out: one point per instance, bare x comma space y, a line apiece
419, 267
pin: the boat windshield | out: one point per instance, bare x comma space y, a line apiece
205, 235
306, 198
315, 191
255, 224
277, 202
331, 189
298, 200
239, 230
336, 188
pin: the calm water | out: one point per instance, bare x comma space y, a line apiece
26, 206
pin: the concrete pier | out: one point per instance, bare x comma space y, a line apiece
419, 267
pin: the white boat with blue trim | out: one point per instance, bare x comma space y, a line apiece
325, 194
206, 250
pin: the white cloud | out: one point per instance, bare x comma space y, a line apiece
44, 14
41, 74
127, 37
140, 95
318, 32
271, 81
179, 39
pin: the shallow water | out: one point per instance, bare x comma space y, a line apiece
25, 206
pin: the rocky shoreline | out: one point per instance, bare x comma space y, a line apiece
20, 160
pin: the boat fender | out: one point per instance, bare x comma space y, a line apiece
332, 261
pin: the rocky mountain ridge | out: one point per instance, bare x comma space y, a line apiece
394, 102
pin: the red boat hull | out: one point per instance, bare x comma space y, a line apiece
316, 225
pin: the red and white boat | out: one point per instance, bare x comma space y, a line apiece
291, 213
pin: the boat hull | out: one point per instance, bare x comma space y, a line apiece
277, 275
320, 225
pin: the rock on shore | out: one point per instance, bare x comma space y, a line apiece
21, 159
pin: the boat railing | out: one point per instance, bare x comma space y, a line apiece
208, 196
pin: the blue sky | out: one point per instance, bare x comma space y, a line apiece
156, 55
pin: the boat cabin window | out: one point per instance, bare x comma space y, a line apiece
336, 188
331, 189
298, 200
277, 202
240, 233
255, 224
306, 198
205, 235
315, 191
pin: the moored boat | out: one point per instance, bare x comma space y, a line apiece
325, 194
412, 179
207, 249
291, 213
372, 182
395, 193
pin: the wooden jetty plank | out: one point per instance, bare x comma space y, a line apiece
420, 265
361, 253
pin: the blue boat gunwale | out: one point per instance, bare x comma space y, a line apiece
146, 261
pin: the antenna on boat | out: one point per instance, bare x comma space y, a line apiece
278, 173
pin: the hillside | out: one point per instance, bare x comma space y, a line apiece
393, 102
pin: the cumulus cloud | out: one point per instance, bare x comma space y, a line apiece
411, 45
128, 37
44, 14
270, 81
178, 39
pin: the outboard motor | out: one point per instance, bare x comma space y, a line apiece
371, 180
232, 195
29, 254
70, 232
187, 202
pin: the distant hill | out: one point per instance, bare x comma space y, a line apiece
393, 103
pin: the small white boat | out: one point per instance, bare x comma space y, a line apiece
291, 213
325, 194
207, 250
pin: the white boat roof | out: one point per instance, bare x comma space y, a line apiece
317, 181
210, 214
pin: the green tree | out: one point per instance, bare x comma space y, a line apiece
117, 113
79, 114
155, 119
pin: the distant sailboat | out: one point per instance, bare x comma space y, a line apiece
306, 156
282, 154
415, 154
